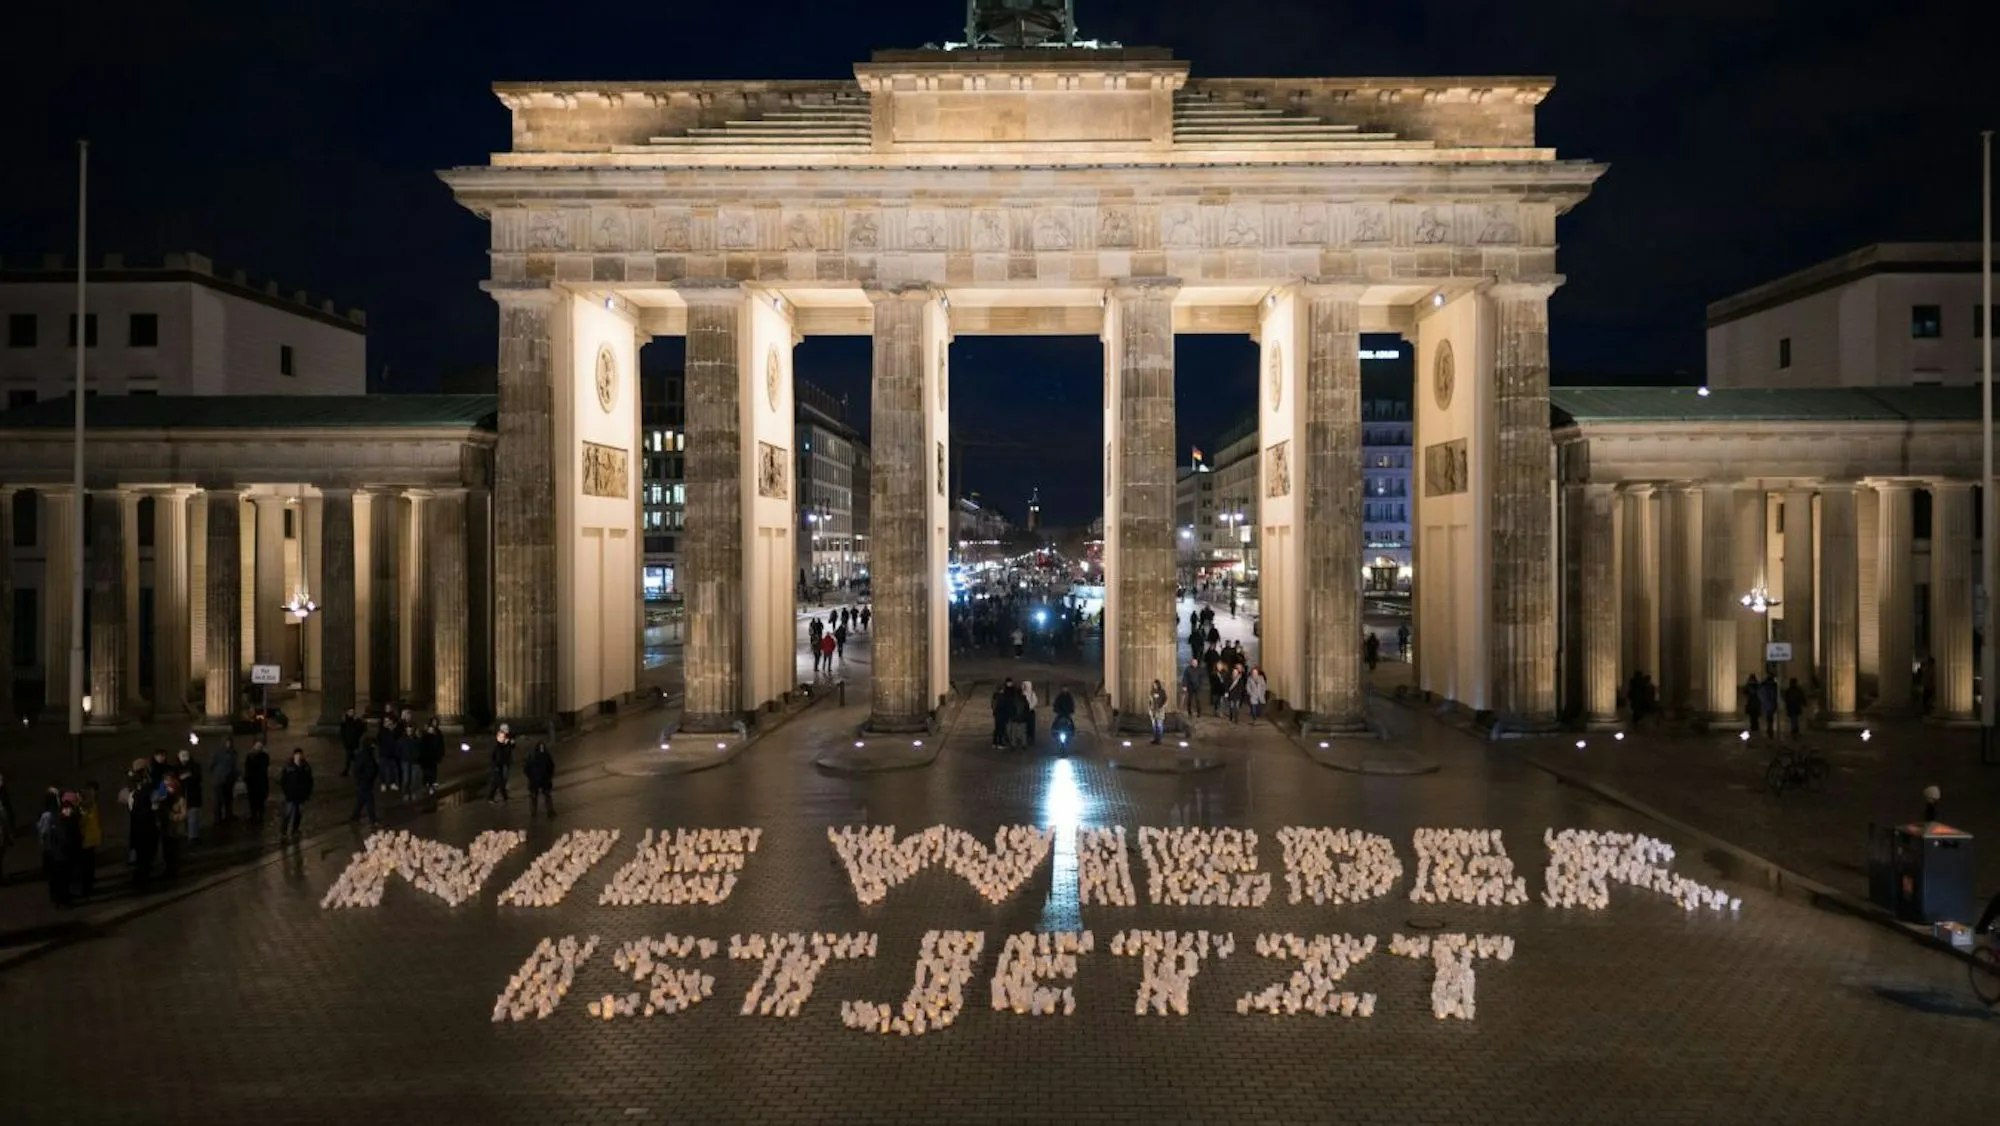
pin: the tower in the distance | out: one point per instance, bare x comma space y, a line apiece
1035, 509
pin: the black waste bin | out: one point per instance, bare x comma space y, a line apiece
1882, 865
1933, 873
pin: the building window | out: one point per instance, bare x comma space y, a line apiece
21, 330
143, 331
20, 397
1785, 352
285, 360
1926, 322
89, 330
27, 521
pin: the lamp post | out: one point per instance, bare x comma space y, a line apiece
1757, 600
302, 607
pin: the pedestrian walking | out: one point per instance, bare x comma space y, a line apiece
501, 764
1237, 693
540, 770
1020, 640
90, 823
295, 785
866, 614
222, 772
409, 744
1255, 690
257, 781
1156, 708
1193, 681
189, 775
1795, 705
1000, 704
826, 653
1371, 650
430, 753
1753, 703
840, 639
1216, 686
1767, 702
367, 769
352, 728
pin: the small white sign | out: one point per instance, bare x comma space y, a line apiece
1777, 652
264, 674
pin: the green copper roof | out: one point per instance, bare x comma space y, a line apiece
248, 412
1817, 404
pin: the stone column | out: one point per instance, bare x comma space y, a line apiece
197, 596
1951, 601
269, 586
384, 516
445, 538
59, 527
1597, 608
128, 585
170, 603
1144, 568
1680, 595
1868, 541
1839, 604
336, 607
1716, 637
7, 670
1895, 595
1523, 645
1329, 465
524, 540
107, 609
225, 607
899, 543
414, 563
312, 641
1752, 628
1800, 616
1641, 573
712, 548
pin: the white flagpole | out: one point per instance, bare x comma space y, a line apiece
1989, 562
76, 670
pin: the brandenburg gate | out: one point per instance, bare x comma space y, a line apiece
1036, 191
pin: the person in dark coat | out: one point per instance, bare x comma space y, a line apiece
389, 756
222, 772
295, 785
1795, 705
142, 828
257, 780
366, 770
502, 764
189, 775
540, 770
1003, 708
169, 807
430, 752
352, 728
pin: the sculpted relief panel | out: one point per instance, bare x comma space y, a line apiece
1446, 471
604, 471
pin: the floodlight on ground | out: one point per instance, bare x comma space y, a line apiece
1866, 735
1618, 736
1580, 744
1744, 736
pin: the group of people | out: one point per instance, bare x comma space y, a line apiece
1014, 708
1762, 698
828, 640
1229, 683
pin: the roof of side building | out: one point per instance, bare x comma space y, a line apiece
1569, 405
245, 412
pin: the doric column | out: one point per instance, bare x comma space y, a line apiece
1839, 603
1895, 596
269, 585
1716, 635
414, 565
60, 505
1951, 600
1752, 628
1144, 568
170, 603
7, 670
1333, 696
1522, 588
225, 606
384, 516
1641, 574
1680, 596
524, 540
107, 608
1800, 617
1868, 623
1595, 606
336, 607
128, 586
445, 539
313, 584
712, 547
197, 596
899, 545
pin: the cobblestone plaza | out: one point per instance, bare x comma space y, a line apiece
252, 999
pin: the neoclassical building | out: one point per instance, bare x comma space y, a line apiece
209, 519
1853, 508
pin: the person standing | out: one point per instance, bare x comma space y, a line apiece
1238, 692
1403, 641
813, 630
1255, 689
540, 771
189, 776
826, 653
352, 728
90, 822
257, 781
1028, 696
1371, 650
1767, 702
295, 785
430, 753
389, 755
1156, 709
366, 769
1019, 642
1753, 703
1193, 680
410, 745
222, 772
1795, 705
502, 763
866, 614
142, 827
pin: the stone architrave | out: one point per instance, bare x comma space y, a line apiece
1598, 546
1523, 641
336, 607
107, 609
1721, 700
1144, 568
1800, 617
1951, 602
1839, 604
899, 497
60, 504
1331, 540
1895, 591
7, 671
445, 538
524, 513
225, 607
712, 548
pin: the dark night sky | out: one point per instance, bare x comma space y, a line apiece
298, 141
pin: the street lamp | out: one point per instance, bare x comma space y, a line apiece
1757, 600
302, 607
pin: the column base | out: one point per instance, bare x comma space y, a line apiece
215, 725
1335, 727
1731, 722
114, 726
710, 723
1141, 723
1497, 726
1603, 723
890, 724
1955, 722
1840, 723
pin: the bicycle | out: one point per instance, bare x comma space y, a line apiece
1796, 768
1984, 968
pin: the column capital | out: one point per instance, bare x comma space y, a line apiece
1885, 484
1637, 488
1337, 288
521, 292
1538, 289
711, 291
1143, 287
879, 292
1951, 484
337, 491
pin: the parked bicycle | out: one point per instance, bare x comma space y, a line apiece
1794, 768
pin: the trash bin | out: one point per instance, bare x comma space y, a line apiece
1882, 865
1933, 873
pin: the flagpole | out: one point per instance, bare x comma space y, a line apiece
76, 669
1989, 560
